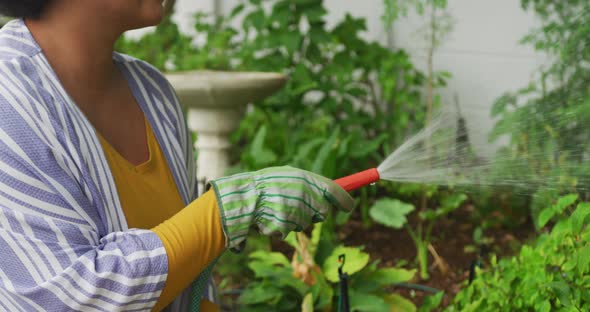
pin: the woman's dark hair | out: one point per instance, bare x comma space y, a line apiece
23, 8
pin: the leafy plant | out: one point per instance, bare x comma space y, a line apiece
310, 280
392, 213
348, 101
551, 274
558, 209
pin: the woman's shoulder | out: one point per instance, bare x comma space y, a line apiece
20, 70
19, 61
16, 42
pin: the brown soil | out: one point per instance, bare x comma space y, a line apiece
450, 236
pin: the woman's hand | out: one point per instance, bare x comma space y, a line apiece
276, 200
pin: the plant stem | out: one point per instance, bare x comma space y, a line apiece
421, 250
430, 83
423, 260
367, 221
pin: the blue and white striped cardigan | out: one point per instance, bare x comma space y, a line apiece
64, 240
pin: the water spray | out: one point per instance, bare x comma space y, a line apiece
453, 151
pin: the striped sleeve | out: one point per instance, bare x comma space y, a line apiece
57, 252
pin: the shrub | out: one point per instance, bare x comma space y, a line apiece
551, 274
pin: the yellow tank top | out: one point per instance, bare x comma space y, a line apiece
147, 192
149, 196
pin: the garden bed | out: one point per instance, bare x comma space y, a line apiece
452, 235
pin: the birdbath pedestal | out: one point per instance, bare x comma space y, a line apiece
216, 103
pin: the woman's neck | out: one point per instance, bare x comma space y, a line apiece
80, 51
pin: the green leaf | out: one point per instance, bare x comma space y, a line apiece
324, 154
540, 199
362, 148
260, 293
237, 10
271, 258
258, 151
453, 201
584, 260
315, 14
580, 216
323, 293
478, 234
391, 212
390, 276
398, 303
263, 269
316, 234
545, 216
304, 150
431, 302
356, 260
565, 202
255, 19
342, 217
545, 306
562, 291
367, 302
447, 205
307, 305
291, 239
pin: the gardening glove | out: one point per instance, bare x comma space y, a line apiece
276, 200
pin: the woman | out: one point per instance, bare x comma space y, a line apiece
98, 207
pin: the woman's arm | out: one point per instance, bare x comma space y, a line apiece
193, 238
51, 265
56, 250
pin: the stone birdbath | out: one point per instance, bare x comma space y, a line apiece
216, 103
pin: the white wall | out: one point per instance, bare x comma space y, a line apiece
482, 52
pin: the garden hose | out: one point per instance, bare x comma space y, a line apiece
418, 287
343, 302
358, 180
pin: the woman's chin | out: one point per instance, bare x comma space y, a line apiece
151, 18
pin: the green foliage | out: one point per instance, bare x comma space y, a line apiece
447, 205
432, 302
395, 9
348, 101
551, 274
278, 288
392, 213
168, 49
546, 121
311, 280
356, 260
558, 209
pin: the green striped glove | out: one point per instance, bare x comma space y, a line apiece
275, 200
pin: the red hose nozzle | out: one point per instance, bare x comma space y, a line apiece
358, 180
